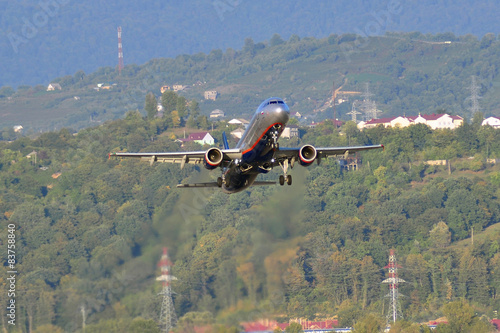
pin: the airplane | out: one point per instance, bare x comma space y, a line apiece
257, 152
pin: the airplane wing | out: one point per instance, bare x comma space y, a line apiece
181, 157
293, 153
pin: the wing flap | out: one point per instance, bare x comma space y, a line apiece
189, 157
211, 184
324, 152
263, 183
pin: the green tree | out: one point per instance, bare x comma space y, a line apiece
276, 40
150, 105
181, 106
169, 101
370, 323
203, 122
141, 325
194, 108
294, 328
403, 326
6, 91
191, 122
48, 328
440, 235
460, 316
249, 46
176, 119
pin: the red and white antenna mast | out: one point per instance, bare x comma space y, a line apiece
120, 51
168, 318
394, 307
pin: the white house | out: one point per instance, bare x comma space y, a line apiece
211, 94
178, 87
54, 86
434, 121
217, 113
398, 121
238, 133
18, 128
239, 121
291, 131
438, 121
491, 121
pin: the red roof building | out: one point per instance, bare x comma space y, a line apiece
434, 121
266, 325
203, 138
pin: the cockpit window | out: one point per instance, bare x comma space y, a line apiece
275, 102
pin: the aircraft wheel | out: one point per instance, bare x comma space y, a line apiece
282, 180
289, 179
219, 181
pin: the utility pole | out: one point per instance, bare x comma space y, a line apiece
394, 312
84, 317
168, 319
334, 95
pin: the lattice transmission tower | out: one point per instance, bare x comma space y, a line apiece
474, 97
393, 280
168, 319
120, 51
354, 112
368, 106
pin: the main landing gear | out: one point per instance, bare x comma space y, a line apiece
288, 180
285, 176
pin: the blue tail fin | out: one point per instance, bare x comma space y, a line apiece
224, 140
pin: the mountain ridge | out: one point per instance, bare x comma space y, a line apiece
69, 36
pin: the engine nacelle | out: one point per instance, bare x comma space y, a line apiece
307, 155
213, 158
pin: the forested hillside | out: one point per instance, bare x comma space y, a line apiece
92, 235
407, 74
42, 40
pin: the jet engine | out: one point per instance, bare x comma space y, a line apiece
213, 158
307, 155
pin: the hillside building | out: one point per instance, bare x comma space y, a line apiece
491, 121
291, 131
434, 121
54, 86
203, 138
211, 94
217, 114
165, 88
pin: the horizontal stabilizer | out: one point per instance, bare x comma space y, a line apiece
212, 184
263, 183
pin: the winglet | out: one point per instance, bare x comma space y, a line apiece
224, 140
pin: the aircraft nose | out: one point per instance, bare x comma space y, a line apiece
282, 109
